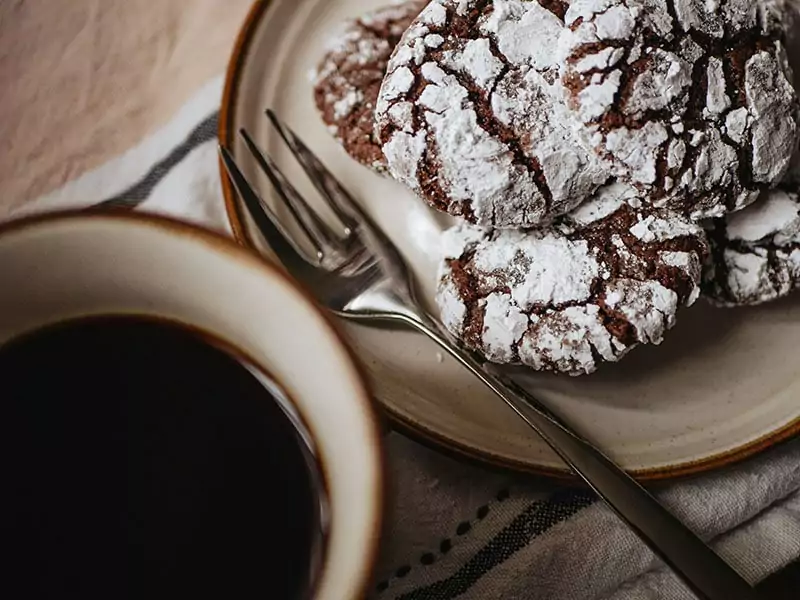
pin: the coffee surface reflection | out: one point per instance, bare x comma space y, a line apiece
141, 461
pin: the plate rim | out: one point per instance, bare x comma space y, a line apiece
417, 431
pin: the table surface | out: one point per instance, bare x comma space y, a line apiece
84, 80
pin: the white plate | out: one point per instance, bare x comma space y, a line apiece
724, 385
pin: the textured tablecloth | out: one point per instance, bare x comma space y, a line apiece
454, 530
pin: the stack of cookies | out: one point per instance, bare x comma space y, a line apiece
608, 161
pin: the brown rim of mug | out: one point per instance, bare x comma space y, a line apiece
364, 399
407, 426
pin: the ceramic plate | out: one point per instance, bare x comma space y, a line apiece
723, 386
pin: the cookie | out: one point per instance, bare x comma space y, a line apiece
348, 78
466, 117
691, 99
607, 277
755, 253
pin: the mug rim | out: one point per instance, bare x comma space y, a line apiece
218, 242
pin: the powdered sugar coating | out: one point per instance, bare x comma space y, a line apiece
349, 76
755, 254
586, 290
697, 110
471, 125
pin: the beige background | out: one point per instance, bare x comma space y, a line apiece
83, 80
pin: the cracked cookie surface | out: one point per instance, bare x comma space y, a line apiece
349, 76
755, 253
467, 118
692, 100
607, 277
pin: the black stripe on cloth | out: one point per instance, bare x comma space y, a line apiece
532, 522
140, 191
785, 584
446, 544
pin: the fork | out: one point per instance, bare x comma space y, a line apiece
358, 273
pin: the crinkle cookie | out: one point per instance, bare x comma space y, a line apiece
467, 121
349, 77
755, 253
602, 280
691, 99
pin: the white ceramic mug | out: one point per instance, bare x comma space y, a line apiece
67, 265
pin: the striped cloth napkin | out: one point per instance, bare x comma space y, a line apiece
458, 531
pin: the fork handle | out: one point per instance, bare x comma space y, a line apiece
710, 577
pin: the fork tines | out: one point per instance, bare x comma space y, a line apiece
325, 239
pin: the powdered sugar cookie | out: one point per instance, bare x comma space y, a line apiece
466, 118
349, 77
602, 280
691, 99
755, 253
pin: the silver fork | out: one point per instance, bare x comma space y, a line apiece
358, 274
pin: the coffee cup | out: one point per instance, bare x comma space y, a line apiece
140, 286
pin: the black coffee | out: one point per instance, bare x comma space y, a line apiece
140, 461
